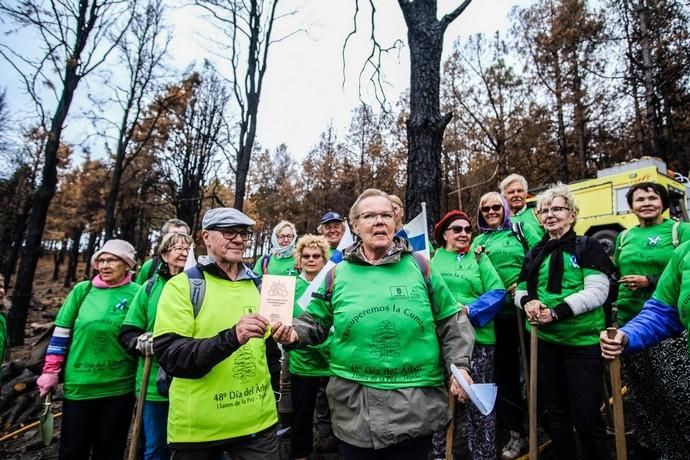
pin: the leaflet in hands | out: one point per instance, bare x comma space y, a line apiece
277, 298
482, 395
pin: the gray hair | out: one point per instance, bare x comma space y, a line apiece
175, 223
559, 190
509, 180
368, 193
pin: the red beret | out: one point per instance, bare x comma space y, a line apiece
442, 224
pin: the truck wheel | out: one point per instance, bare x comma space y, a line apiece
607, 239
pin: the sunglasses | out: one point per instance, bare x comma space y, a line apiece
311, 256
457, 229
493, 207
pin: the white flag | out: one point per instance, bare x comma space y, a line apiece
191, 259
415, 231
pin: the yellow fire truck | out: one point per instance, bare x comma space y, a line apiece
604, 211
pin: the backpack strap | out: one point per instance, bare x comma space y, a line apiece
516, 228
425, 268
621, 238
674, 234
264, 263
150, 283
197, 288
328, 282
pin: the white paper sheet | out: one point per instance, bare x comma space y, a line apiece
482, 395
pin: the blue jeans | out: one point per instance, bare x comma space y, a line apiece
155, 430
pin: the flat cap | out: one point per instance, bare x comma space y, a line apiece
331, 216
225, 217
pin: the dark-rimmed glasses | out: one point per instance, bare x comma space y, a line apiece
493, 207
457, 229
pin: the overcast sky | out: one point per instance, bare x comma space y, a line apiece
303, 89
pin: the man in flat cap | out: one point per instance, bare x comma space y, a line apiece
220, 397
332, 227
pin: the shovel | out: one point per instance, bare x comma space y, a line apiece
46, 421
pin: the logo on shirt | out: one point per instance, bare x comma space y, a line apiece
653, 241
399, 292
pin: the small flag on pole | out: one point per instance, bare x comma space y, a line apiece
335, 259
415, 231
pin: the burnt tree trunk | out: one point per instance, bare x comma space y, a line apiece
426, 124
73, 257
648, 78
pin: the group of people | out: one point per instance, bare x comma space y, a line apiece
369, 358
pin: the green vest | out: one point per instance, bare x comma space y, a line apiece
97, 366
643, 251
385, 329
235, 398
142, 315
310, 361
468, 280
579, 330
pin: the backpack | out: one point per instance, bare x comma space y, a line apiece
611, 272
264, 263
422, 264
197, 292
516, 228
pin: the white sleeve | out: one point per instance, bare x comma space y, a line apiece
592, 296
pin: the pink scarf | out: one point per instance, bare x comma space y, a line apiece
98, 282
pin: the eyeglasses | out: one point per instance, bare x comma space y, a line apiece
180, 248
552, 210
286, 237
231, 234
370, 217
311, 256
109, 261
457, 229
493, 207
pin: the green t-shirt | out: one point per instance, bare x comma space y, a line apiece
468, 279
674, 284
142, 315
579, 330
146, 271
235, 397
97, 366
528, 219
311, 361
277, 266
507, 254
385, 329
643, 251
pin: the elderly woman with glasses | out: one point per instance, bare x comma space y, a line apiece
563, 286
474, 282
281, 260
397, 330
99, 373
135, 337
506, 243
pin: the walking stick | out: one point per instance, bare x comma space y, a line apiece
451, 427
533, 442
618, 420
523, 348
136, 428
